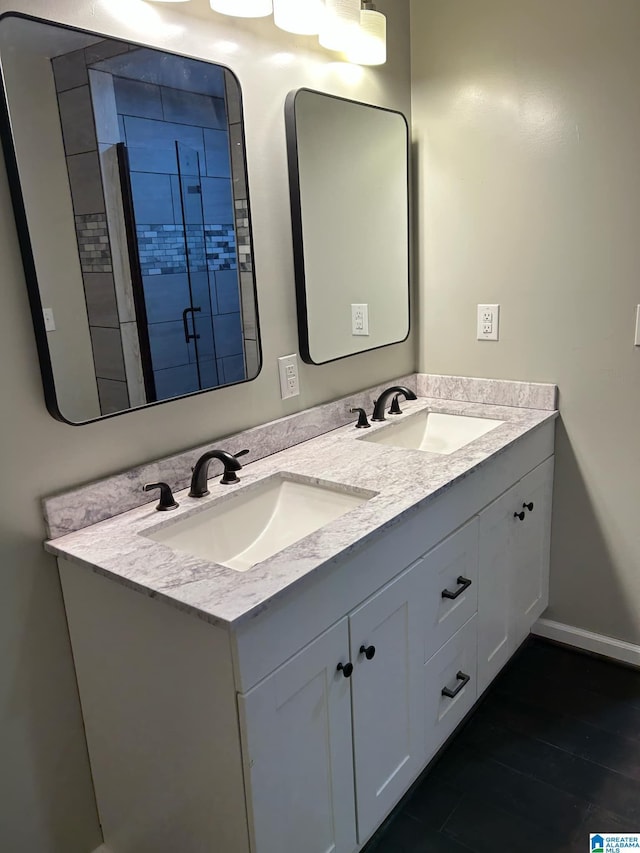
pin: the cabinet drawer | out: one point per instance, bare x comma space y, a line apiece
449, 575
452, 669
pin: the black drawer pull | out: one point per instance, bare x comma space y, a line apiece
368, 651
463, 679
519, 515
465, 583
528, 506
346, 669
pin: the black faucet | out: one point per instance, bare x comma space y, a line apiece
201, 470
381, 402
167, 501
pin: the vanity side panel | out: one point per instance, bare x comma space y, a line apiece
158, 700
284, 627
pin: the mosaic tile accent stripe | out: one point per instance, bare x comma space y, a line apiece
93, 243
245, 258
162, 248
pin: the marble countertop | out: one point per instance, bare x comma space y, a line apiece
403, 481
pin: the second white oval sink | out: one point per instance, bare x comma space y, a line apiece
257, 521
435, 432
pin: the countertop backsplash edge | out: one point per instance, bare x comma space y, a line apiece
81, 507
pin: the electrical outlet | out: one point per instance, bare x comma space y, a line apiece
488, 322
360, 319
49, 321
288, 371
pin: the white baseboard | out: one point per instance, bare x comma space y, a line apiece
588, 641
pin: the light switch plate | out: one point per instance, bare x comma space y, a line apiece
360, 319
288, 371
488, 322
637, 338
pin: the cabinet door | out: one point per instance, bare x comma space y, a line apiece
530, 554
388, 701
297, 752
494, 586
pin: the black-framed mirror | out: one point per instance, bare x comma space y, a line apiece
349, 187
128, 177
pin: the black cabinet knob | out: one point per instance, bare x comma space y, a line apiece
346, 669
519, 515
368, 651
528, 506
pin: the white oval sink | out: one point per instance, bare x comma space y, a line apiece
255, 522
435, 432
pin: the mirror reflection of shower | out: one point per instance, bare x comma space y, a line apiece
170, 123
131, 178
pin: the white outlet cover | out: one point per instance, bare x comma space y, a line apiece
488, 323
637, 338
288, 373
360, 319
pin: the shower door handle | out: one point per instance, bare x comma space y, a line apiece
187, 334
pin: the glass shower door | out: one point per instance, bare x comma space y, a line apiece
165, 225
198, 315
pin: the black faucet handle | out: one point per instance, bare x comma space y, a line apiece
229, 477
363, 423
395, 406
167, 501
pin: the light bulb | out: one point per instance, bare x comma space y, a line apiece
369, 45
243, 8
302, 17
339, 23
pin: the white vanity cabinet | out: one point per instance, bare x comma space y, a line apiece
513, 590
304, 753
300, 728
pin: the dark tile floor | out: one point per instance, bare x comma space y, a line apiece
551, 754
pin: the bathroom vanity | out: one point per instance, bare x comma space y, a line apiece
287, 707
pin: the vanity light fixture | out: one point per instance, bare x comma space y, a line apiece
340, 24
302, 17
369, 45
243, 8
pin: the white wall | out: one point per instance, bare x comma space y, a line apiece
527, 127
46, 803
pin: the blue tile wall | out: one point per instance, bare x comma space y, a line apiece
134, 98
152, 199
176, 381
150, 133
168, 346
166, 296
218, 159
227, 289
191, 108
209, 374
228, 334
234, 369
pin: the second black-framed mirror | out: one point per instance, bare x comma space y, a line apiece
349, 188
